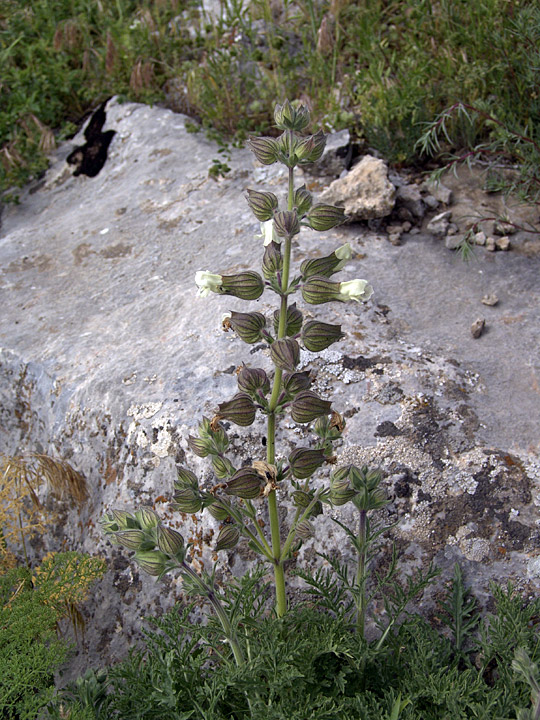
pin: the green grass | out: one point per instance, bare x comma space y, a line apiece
380, 67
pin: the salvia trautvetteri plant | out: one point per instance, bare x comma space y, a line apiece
233, 496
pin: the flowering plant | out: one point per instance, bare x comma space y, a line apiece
233, 496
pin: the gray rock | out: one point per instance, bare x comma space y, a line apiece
410, 197
439, 191
431, 202
477, 328
452, 242
365, 192
490, 299
439, 224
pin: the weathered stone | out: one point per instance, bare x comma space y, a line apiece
477, 328
439, 224
452, 242
490, 299
480, 238
365, 192
431, 202
502, 243
439, 191
410, 197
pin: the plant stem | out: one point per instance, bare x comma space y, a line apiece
208, 592
361, 573
278, 557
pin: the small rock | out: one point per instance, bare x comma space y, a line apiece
490, 244
477, 328
431, 202
490, 299
409, 196
452, 242
503, 228
452, 229
438, 225
393, 229
502, 243
439, 191
365, 192
405, 215
406, 226
395, 238
480, 238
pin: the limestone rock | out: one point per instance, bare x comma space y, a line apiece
410, 197
439, 224
365, 192
439, 191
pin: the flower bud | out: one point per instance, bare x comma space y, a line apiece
240, 410
364, 478
247, 285
325, 217
310, 149
302, 201
305, 530
291, 117
265, 149
286, 223
117, 520
218, 511
146, 518
301, 498
272, 261
207, 282
294, 320
131, 539
317, 336
248, 326
303, 462
341, 492
262, 204
307, 406
169, 541
251, 380
295, 383
185, 479
245, 483
319, 290
200, 446
228, 537
222, 466
285, 354
152, 562
187, 500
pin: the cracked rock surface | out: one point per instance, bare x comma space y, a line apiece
108, 359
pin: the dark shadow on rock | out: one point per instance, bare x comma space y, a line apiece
91, 157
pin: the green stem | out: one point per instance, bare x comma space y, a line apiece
361, 574
208, 592
278, 557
